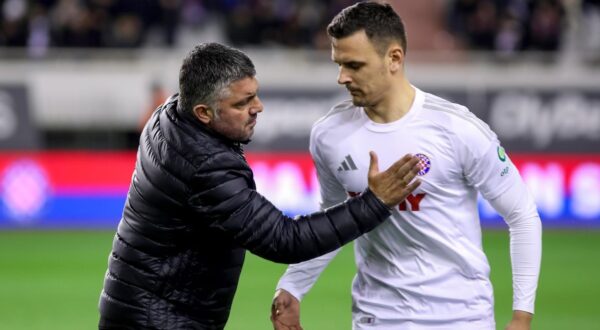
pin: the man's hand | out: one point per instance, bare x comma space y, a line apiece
394, 185
520, 321
285, 311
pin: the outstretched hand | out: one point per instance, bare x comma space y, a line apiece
394, 184
285, 311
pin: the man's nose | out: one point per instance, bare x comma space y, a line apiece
257, 106
343, 78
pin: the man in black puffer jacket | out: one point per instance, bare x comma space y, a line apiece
192, 209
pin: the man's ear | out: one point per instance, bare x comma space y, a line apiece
203, 113
396, 57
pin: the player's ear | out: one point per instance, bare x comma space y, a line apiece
396, 57
204, 113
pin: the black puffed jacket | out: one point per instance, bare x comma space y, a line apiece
191, 213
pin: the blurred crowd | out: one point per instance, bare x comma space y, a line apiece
508, 26
86, 23
130, 23
504, 26
281, 22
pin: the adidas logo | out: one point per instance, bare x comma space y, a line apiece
347, 165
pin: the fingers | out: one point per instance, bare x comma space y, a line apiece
280, 300
374, 163
397, 182
285, 320
407, 184
411, 187
400, 168
277, 308
277, 325
407, 166
274, 310
404, 170
285, 311
402, 162
409, 171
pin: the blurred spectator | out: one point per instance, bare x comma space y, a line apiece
158, 96
509, 37
545, 25
591, 28
75, 25
126, 32
13, 21
482, 25
240, 26
459, 12
38, 40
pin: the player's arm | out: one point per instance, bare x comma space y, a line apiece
518, 209
299, 278
295, 283
231, 205
499, 182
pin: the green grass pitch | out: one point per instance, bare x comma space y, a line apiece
51, 280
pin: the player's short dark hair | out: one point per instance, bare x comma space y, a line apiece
208, 70
379, 21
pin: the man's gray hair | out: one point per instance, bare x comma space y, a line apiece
207, 72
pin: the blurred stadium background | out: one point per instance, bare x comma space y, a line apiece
78, 79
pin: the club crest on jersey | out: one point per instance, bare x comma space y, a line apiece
425, 164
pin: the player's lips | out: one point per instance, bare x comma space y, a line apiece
353, 91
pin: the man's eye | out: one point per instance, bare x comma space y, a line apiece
243, 103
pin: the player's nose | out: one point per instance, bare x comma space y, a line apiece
343, 78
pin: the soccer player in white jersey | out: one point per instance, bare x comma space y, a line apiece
425, 268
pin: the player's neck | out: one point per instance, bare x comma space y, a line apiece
395, 105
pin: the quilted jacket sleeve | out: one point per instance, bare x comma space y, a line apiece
228, 202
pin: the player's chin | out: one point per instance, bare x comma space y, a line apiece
358, 101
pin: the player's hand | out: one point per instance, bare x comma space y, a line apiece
285, 311
394, 184
520, 321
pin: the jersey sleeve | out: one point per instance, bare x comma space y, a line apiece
299, 278
332, 192
489, 169
518, 210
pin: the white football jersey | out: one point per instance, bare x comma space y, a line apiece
424, 268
